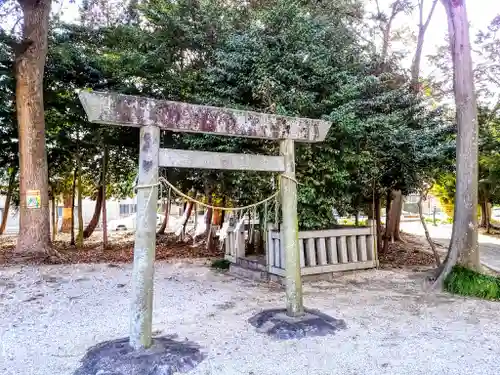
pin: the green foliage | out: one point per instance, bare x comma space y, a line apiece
466, 282
361, 223
444, 190
295, 58
220, 264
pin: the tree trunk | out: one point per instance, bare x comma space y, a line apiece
388, 223
377, 220
34, 223
395, 215
164, 224
67, 212
427, 235
187, 215
54, 217
104, 212
396, 232
97, 214
57, 219
73, 194
488, 217
8, 198
208, 217
356, 218
484, 214
79, 238
463, 246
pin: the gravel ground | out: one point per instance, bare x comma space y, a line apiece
50, 315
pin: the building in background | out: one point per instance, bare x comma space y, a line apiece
411, 204
115, 209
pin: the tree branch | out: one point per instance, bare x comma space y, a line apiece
429, 16
421, 13
423, 196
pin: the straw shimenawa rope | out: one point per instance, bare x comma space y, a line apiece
185, 196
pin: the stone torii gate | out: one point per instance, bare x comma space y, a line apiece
155, 115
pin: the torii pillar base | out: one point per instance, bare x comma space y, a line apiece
279, 325
165, 357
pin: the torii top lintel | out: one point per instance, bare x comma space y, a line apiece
116, 109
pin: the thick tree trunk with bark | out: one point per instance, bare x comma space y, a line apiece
463, 246
97, 214
395, 215
34, 223
8, 199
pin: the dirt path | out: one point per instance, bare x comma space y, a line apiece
50, 316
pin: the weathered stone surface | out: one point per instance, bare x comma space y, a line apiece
276, 323
220, 160
117, 357
117, 109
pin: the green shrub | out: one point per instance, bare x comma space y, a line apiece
466, 282
221, 264
351, 222
431, 221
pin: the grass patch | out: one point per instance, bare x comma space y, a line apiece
220, 264
352, 222
466, 282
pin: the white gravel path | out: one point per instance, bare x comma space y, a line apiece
49, 316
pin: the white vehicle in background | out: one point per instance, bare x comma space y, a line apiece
495, 213
128, 223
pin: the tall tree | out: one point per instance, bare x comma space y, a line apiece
463, 246
34, 233
396, 207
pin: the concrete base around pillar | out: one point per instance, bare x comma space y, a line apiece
277, 324
164, 357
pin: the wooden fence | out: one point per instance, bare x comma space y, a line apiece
321, 251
